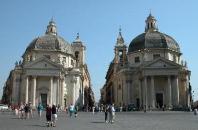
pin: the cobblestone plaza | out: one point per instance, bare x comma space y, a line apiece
123, 121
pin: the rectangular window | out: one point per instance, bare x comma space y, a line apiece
155, 56
47, 56
72, 62
137, 59
64, 59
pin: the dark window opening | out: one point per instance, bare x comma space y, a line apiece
121, 56
47, 56
64, 59
76, 55
155, 56
72, 62
137, 59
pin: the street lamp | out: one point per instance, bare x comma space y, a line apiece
193, 99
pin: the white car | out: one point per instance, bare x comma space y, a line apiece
3, 107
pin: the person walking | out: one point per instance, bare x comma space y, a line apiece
48, 115
54, 115
76, 111
27, 111
106, 113
93, 110
71, 110
112, 113
21, 111
40, 109
30, 109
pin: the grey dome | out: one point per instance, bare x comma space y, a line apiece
153, 39
50, 42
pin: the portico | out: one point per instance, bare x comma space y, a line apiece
160, 91
51, 86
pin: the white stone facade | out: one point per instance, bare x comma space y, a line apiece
151, 75
52, 72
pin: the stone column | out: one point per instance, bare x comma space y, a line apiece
74, 80
140, 93
34, 91
83, 100
62, 92
74, 92
57, 92
176, 91
145, 98
51, 90
111, 87
26, 89
152, 103
169, 95
187, 92
129, 93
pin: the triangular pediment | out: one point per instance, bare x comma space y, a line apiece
42, 63
162, 63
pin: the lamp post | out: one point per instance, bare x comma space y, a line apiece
192, 105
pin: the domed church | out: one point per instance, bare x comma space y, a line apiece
52, 71
149, 74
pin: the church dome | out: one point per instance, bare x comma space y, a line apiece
152, 38
50, 41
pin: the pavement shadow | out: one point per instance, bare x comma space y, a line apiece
15, 118
37, 125
97, 122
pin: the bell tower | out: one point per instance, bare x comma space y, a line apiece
120, 50
79, 51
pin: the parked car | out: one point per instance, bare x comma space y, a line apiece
132, 107
3, 107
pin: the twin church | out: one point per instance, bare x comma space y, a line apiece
149, 74
52, 71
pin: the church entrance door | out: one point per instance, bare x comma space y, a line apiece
44, 100
159, 100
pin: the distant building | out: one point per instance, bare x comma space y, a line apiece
52, 71
149, 73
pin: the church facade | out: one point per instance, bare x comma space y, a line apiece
149, 74
52, 71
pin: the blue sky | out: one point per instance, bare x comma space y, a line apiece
98, 22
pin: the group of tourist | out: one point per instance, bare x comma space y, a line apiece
25, 111
51, 115
109, 111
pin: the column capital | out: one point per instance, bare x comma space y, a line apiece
34, 76
61, 77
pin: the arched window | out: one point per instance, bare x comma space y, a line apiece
77, 55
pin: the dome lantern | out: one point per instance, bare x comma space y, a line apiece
51, 28
151, 23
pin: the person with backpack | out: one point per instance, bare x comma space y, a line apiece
71, 110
